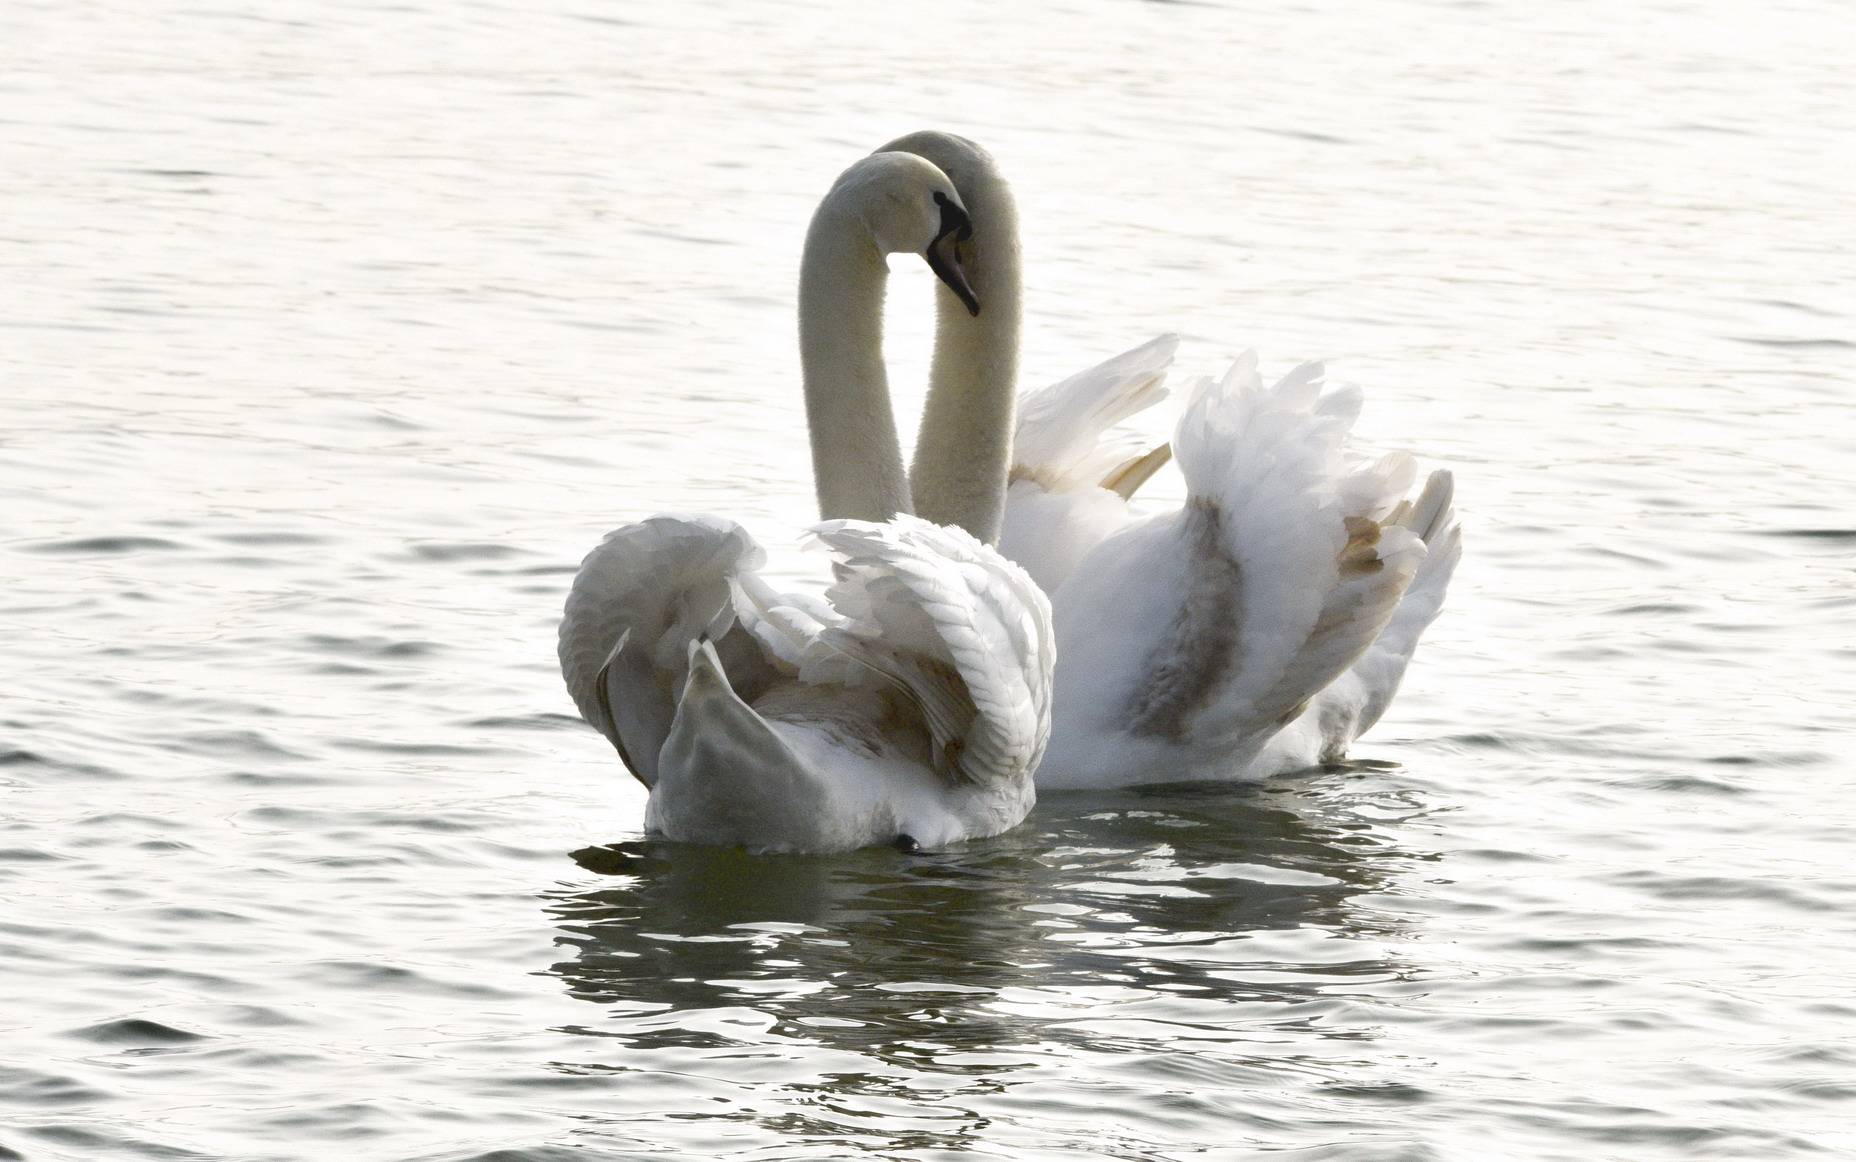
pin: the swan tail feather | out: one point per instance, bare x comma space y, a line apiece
961, 632
640, 599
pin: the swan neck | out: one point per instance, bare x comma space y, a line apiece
856, 458
964, 450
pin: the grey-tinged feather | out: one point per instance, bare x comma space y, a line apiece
607, 722
726, 776
1200, 650
645, 592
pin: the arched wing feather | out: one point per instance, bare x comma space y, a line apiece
961, 631
1072, 474
1292, 532
1063, 438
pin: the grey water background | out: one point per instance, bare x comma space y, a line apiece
333, 334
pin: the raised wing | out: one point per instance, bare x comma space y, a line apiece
1063, 440
1280, 519
963, 633
1072, 474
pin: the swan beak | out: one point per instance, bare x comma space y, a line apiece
943, 255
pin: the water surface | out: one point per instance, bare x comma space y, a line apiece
335, 334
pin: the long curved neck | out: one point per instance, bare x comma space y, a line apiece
856, 459
964, 451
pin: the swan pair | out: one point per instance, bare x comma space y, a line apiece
1261, 626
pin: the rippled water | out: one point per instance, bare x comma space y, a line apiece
332, 335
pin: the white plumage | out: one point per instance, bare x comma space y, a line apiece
1263, 625
912, 701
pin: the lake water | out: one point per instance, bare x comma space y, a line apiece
332, 335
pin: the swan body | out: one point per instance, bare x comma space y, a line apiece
911, 702
1260, 627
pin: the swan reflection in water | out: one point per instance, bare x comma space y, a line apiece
1132, 919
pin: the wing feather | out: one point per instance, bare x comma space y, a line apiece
1063, 438
1312, 577
1072, 474
641, 597
962, 632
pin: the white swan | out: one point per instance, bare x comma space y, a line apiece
1261, 627
911, 704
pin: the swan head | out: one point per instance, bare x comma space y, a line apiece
911, 207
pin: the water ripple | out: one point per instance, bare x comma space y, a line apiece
98, 546
135, 1031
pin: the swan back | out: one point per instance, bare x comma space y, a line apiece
1275, 502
